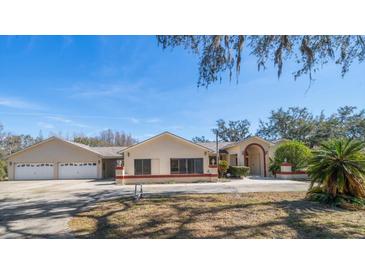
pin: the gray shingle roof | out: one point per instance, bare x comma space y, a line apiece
107, 152
212, 145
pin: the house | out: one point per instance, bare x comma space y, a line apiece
169, 158
166, 158
163, 158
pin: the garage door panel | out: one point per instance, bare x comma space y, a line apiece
77, 170
34, 171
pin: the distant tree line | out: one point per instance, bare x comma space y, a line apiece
106, 138
11, 143
296, 123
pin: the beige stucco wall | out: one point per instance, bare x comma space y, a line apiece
240, 148
160, 151
54, 151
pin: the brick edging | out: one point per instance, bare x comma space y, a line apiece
290, 172
165, 176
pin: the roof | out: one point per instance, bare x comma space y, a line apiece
212, 145
245, 139
172, 135
108, 151
115, 152
279, 140
104, 152
223, 145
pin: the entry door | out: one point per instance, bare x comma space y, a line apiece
77, 171
34, 171
255, 167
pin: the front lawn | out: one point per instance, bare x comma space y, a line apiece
249, 215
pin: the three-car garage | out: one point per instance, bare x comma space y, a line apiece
56, 158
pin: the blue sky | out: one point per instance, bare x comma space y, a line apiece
86, 84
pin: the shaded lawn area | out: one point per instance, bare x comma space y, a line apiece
247, 215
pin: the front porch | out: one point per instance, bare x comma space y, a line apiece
109, 167
252, 155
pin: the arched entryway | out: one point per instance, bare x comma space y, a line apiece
255, 159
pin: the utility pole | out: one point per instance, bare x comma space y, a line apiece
217, 149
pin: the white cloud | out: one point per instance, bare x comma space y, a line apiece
87, 90
153, 120
134, 120
17, 103
143, 120
60, 119
64, 120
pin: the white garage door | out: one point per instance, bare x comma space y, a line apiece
77, 171
34, 171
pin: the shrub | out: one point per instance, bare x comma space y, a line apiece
318, 194
338, 170
222, 167
273, 166
294, 152
3, 170
238, 171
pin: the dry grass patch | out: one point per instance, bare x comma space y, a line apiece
249, 215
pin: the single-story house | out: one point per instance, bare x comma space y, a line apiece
163, 158
166, 158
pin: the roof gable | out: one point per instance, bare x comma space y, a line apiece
50, 139
171, 135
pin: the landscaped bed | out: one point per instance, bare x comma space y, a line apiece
249, 215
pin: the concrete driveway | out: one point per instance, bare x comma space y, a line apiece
42, 209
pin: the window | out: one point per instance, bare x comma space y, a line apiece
233, 161
184, 166
142, 167
213, 160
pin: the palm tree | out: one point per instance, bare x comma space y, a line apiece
338, 168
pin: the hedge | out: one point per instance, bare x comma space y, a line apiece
3, 171
238, 171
